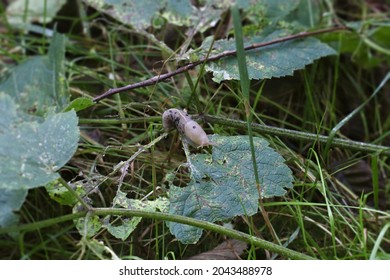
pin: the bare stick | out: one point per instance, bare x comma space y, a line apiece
192, 65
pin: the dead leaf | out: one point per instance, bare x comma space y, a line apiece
230, 249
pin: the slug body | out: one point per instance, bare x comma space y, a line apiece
190, 131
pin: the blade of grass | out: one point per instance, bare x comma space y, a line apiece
245, 85
378, 241
244, 81
353, 113
117, 97
328, 203
375, 180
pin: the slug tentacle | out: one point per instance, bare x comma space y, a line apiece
190, 131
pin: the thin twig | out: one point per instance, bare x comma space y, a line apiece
192, 65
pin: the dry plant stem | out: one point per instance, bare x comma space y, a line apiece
124, 165
192, 65
261, 128
299, 135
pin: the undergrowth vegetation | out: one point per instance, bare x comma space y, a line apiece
313, 109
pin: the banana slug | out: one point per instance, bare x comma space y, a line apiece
190, 131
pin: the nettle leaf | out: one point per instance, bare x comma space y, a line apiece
31, 152
87, 226
223, 184
125, 226
272, 61
140, 14
38, 85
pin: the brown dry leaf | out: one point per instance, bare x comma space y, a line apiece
230, 249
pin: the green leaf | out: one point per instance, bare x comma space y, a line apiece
270, 10
87, 226
140, 14
277, 9
223, 184
381, 35
123, 226
79, 104
32, 148
307, 13
272, 61
382, 256
10, 201
62, 195
37, 85
99, 249
179, 13
126, 227
31, 152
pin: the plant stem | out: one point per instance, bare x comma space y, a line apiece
74, 193
288, 253
207, 226
120, 120
43, 224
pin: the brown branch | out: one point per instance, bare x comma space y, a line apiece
192, 65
